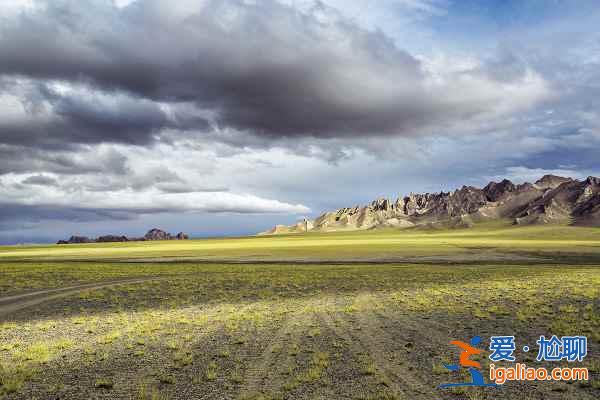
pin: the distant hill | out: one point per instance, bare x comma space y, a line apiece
551, 199
152, 234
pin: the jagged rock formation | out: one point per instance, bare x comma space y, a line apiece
551, 199
152, 234
76, 239
112, 238
157, 234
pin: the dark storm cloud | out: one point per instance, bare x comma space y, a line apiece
21, 159
41, 180
265, 68
55, 120
16, 216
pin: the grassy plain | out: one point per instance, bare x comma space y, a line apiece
365, 315
356, 245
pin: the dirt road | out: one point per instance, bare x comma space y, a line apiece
10, 304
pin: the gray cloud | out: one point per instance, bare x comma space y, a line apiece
18, 216
55, 119
260, 67
184, 187
84, 160
41, 180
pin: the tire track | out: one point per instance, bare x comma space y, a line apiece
261, 373
11, 304
377, 344
358, 347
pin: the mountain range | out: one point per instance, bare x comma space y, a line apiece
550, 200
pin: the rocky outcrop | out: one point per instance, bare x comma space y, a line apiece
551, 199
76, 240
157, 234
152, 234
112, 238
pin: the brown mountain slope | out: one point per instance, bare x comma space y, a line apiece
551, 199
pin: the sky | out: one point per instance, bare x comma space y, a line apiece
225, 117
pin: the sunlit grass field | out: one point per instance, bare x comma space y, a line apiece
378, 244
360, 315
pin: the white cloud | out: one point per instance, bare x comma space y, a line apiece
149, 200
16, 5
464, 83
123, 3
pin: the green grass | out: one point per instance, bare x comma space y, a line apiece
228, 304
344, 245
306, 331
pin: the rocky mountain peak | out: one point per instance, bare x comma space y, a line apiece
551, 181
495, 190
592, 180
